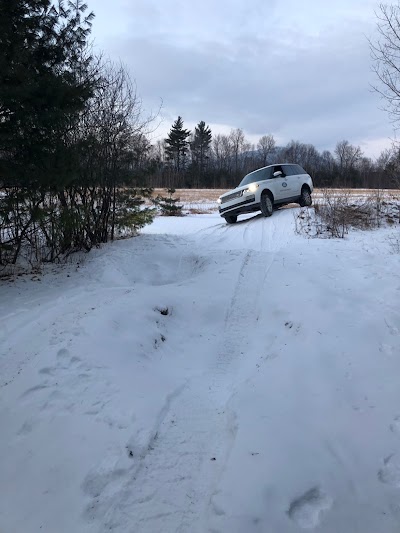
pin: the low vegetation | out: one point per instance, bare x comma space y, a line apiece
335, 214
70, 126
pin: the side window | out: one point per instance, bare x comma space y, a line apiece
276, 169
288, 170
262, 174
267, 173
300, 170
295, 170
257, 175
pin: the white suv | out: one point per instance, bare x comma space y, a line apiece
262, 189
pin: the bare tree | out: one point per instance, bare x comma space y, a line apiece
238, 142
295, 152
303, 154
388, 167
385, 52
347, 157
265, 147
226, 152
216, 150
327, 161
250, 159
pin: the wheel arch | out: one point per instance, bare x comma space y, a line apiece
269, 193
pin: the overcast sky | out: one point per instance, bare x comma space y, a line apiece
297, 69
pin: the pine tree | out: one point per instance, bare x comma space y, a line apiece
177, 144
168, 205
42, 86
200, 147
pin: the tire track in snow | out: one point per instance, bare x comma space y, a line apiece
171, 481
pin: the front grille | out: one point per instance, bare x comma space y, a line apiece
231, 196
248, 200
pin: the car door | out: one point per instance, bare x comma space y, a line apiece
297, 181
292, 186
280, 184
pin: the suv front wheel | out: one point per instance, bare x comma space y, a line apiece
231, 219
266, 205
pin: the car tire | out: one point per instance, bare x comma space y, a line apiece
305, 198
231, 219
266, 205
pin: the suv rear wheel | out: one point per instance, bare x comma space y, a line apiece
266, 205
305, 198
231, 219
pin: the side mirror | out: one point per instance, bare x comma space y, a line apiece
278, 173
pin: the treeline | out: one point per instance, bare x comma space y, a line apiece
200, 159
71, 135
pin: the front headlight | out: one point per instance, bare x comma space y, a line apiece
219, 201
251, 188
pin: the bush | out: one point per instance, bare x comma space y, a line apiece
338, 212
168, 205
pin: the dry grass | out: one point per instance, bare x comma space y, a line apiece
187, 196
198, 211
336, 210
358, 192
211, 195
335, 214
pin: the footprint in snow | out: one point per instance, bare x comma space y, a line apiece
99, 484
47, 371
386, 349
393, 330
26, 428
270, 356
55, 339
95, 482
291, 325
218, 511
395, 425
390, 472
306, 510
65, 358
63, 353
32, 390
76, 332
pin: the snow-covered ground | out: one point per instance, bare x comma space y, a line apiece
205, 378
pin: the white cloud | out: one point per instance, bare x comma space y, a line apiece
297, 70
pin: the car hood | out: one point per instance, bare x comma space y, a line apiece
235, 190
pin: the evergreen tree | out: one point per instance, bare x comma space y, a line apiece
69, 127
168, 205
200, 147
42, 86
177, 144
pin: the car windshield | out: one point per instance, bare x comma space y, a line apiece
257, 175
249, 178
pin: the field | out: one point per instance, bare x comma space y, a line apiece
201, 201
202, 377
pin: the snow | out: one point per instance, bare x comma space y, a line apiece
205, 377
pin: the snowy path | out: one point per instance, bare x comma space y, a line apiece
205, 377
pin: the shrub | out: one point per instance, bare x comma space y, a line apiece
338, 212
168, 205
